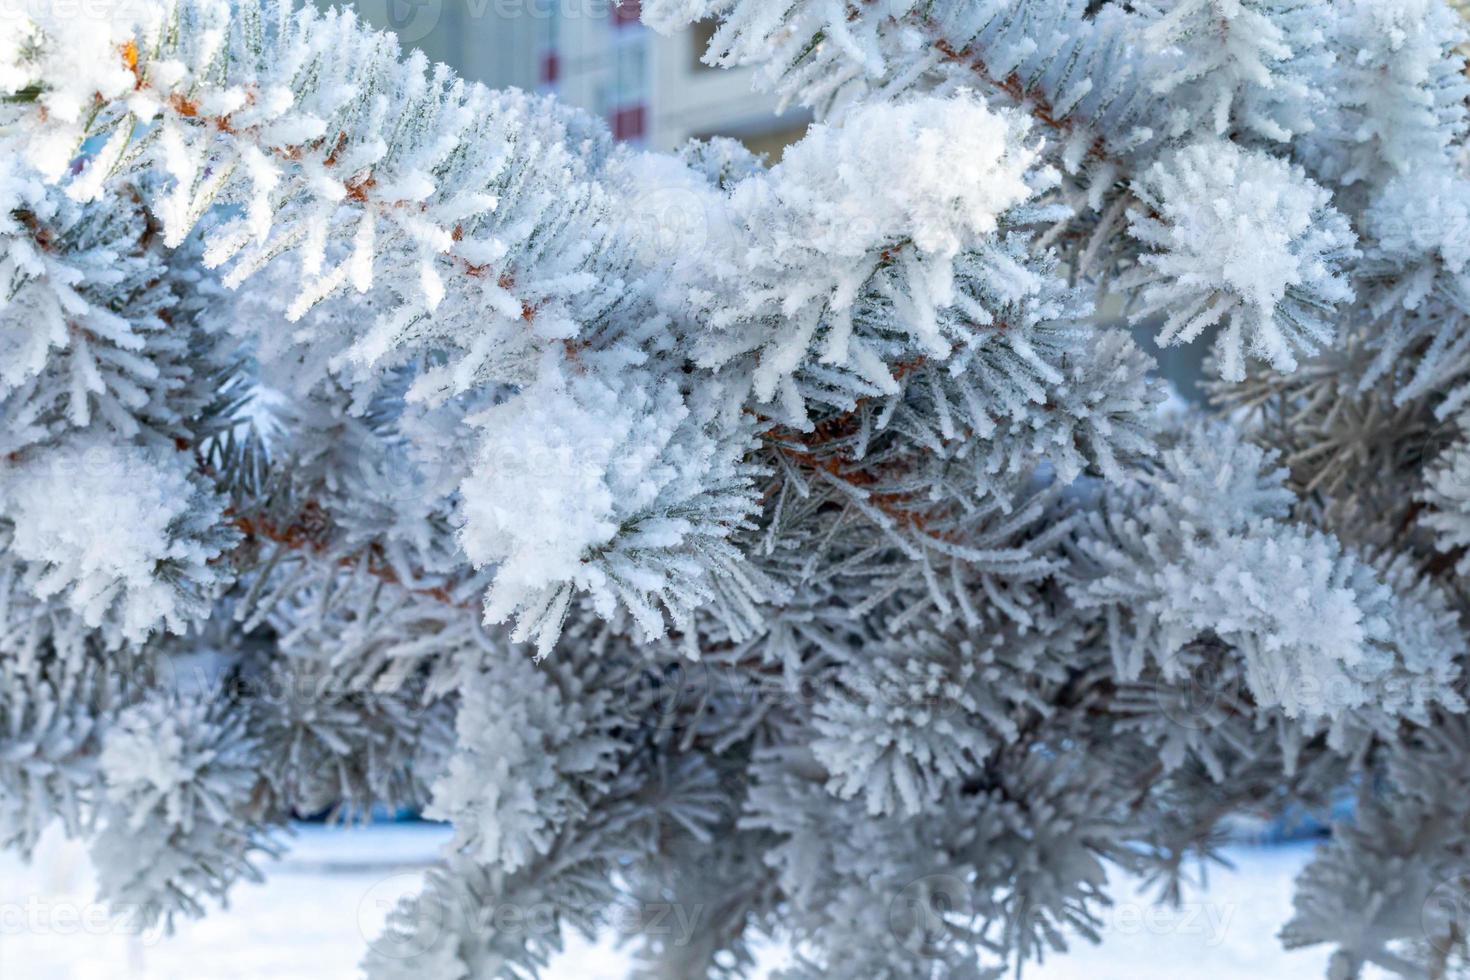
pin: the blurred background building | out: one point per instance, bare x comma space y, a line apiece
652, 89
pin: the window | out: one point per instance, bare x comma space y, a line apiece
630, 71
700, 34
623, 100
626, 12
770, 143
630, 122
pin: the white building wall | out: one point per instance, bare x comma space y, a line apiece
650, 88
694, 100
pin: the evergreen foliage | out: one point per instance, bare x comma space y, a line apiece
807, 544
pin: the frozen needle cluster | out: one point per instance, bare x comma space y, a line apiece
800, 543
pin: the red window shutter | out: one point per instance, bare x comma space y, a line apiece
626, 12
629, 123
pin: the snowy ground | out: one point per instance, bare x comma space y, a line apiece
326, 899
